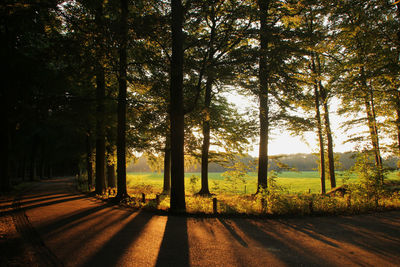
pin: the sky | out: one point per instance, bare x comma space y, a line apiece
282, 142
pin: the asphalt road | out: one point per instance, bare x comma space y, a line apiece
72, 229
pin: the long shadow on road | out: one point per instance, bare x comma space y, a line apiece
174, 249
111, 252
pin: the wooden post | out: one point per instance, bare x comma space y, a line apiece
310, 206
215, 206
143, 197
157, 200
348, 201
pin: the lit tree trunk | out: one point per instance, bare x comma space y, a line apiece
263, 98
371, 118
167, 165
321, 140
176, 111
121, 136
331, 157
100, 97
319, 126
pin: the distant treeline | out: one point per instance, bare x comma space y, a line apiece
299, 162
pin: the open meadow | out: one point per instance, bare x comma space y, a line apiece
291, 182
293, 193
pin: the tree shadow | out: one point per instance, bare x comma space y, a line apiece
110, 253
232, 231
174, 249
286, 251
32, 200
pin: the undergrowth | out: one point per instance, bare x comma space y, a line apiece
367, 195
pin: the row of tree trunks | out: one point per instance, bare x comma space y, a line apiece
262, 179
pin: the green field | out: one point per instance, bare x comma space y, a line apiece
292, 182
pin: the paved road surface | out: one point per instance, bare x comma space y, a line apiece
77, 230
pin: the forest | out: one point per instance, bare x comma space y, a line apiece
90, 85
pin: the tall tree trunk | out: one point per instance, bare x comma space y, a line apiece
121, 135
206, 138
398, 120
263, 98
321, 140
319, 125
176, 111
373, 130
100, 112
89, 163
167, 165
206, 111
331, 156
398, 92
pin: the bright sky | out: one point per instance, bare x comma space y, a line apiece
282, 142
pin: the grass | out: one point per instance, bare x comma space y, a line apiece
294, 193
293, 182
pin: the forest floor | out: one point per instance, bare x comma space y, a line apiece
54, 225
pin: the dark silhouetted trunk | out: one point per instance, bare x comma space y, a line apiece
176, 111
100, 107
167, 165
111, 175
262, 182
121, 135
89, 162
206, 111
206, 138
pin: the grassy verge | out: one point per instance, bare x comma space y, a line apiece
290, 193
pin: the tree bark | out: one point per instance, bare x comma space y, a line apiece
262, 180
100, 98
122, 93
176, 111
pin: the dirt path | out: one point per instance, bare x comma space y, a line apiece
75, 230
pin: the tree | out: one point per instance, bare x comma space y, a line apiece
176, 110
122, 81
